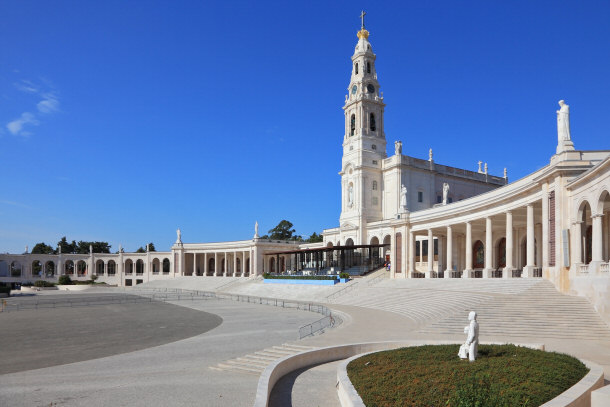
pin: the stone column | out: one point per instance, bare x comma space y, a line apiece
216, 265
393, 253
194, 264
226, 264
468, 270
449, 252
430, 254
508, 270
531, 248
544, 241
205, 264
597, 253
487, 273
234, 264
411, 268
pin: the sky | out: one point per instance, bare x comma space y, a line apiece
123, 121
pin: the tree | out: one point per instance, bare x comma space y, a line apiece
315, 238
67, 247
151, 248
283, 231
42, 248
82, 247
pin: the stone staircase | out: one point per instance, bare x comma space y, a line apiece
538, 312
256, 362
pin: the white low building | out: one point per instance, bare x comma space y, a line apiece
428, 220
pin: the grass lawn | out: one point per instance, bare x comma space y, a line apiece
502, 376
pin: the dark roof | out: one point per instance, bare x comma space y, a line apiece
329, 249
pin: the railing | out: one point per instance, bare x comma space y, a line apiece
517, 273
537, 272
416, 274
496, 273
477, 274
583, 268
456, 274
604, 267
310, 329
342, 291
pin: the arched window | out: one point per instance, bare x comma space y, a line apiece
356, 68
374, 185
368, 67
372, 124
353, 125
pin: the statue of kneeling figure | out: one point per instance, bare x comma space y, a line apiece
469, 349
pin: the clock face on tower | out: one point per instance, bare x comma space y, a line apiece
354, 89
370, 88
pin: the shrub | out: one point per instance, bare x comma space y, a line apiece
344, 275
64, 280
42, 283
27, 284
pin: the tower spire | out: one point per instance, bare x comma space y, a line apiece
362, 18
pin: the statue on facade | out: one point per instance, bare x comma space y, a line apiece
470, 348
256, 236
485, 168
398, 147
179, 236
480, 170
563, 122
445, 192
350, 196
430, 155
403, 198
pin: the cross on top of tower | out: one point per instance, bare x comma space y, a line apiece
362, 18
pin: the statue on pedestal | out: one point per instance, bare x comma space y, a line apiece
430, 155
179, 236
403, 198
398, 147
445, 193
256, 236
470, 348
563, 122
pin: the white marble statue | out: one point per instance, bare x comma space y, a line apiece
256, 230
470, 348
505, 173
480, 170
403, 198
445, 192
563, 122
350, 196
485, 168
398, 147
430, 155
179, 236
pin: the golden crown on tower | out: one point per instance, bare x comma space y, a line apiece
363, 34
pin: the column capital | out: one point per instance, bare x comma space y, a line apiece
597, 215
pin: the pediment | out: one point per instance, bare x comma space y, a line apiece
348, 226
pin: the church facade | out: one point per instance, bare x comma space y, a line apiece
434, 220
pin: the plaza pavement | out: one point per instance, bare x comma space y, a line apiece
136, 379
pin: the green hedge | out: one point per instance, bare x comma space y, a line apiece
274, 277
64, 280
42, 283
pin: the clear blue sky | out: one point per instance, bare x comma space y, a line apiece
121, 121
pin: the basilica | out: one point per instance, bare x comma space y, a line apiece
419, 218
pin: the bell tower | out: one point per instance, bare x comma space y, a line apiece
364, 143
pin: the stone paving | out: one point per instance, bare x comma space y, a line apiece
385, 310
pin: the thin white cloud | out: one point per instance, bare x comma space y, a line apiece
26, 86
49, 103
16, 126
